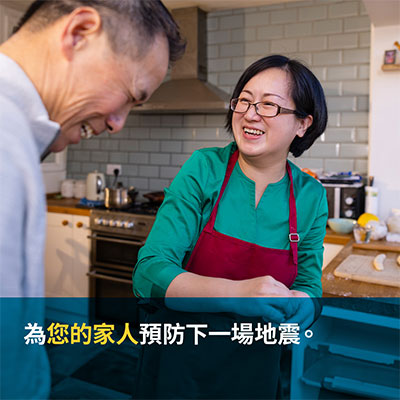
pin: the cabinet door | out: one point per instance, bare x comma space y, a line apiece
59, 256
81, 248
67, 255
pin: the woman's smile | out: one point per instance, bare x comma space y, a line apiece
258, 135
252, 133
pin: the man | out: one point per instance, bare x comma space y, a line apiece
73, 69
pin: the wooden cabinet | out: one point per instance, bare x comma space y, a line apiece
67, 255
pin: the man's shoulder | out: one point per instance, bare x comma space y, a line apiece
16, 133
11, 113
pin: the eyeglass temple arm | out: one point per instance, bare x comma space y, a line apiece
283, 110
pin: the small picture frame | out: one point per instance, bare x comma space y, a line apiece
390, 57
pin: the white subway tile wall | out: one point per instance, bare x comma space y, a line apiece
331, 36
150, 155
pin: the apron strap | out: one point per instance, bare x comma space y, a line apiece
231, 164
294, 237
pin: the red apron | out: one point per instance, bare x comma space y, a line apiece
182, 372
221, 256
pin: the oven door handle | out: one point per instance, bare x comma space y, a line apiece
123, 241
108, 278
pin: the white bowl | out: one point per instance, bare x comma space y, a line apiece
341, 225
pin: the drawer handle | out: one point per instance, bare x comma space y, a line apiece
108, 278
65, 222
79, 224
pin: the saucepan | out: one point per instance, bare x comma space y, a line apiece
119, 197
155, 197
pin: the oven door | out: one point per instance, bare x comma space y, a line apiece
104, 282
112, 262
114, 252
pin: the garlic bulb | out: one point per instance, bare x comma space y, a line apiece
379, 229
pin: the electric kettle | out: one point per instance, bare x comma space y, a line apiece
95, 184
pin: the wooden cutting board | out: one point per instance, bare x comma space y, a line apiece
382, 245
360, 268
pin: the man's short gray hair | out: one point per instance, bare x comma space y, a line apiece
146, 19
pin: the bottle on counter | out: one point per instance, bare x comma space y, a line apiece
371, 200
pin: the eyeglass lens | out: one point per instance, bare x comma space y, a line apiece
264, 109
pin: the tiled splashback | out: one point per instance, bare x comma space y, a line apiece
150, 149
331, 37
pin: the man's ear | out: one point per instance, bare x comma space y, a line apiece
304, 124
77, 28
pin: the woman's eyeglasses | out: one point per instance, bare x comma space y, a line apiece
263, 108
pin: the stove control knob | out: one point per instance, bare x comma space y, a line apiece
349, 200
105, 222
98, 220
348, 213
112, 222
128, 224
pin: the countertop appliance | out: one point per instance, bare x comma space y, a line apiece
95, 184
345, 200
116, 238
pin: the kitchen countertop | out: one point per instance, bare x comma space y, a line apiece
69, 206
65, 206
336, 238
332, 286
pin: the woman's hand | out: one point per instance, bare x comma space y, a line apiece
298, 293
257, 297
265, 297
305, 309
263, 286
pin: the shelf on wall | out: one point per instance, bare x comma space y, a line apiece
391, 67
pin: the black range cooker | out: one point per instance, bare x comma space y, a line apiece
116, 238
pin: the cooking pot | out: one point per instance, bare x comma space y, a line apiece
155, 197
119, 197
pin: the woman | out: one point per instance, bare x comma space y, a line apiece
242, 221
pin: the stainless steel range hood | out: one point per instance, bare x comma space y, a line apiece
188, 91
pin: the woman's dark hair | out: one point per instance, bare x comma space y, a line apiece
306, 92
146, 18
